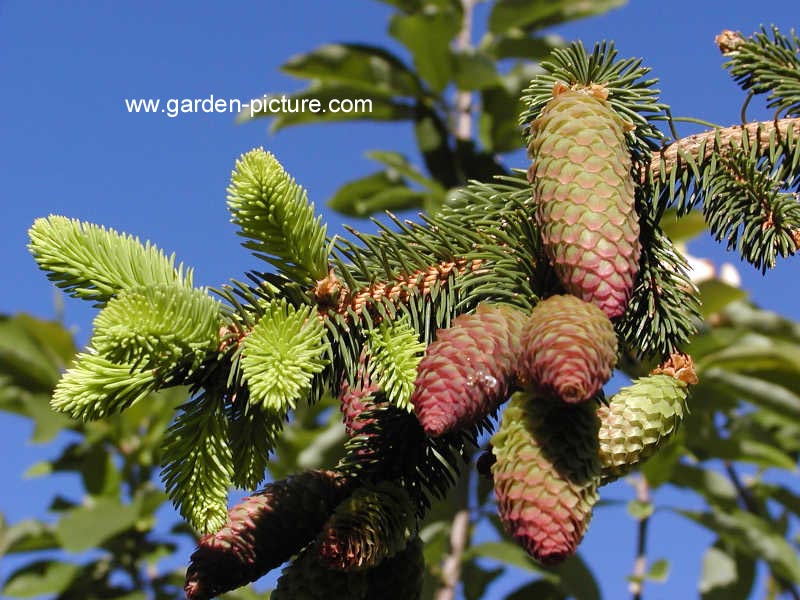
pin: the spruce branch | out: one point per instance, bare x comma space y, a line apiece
253, 434
158, 326
274, 213
94, 263
281, 355
747, 179
395, 353
95, 387
700, 147
768, 62
198, 466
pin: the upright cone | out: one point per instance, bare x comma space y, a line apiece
546, 474
369, 526
584, 196
569, 349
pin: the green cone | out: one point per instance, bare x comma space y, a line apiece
306, 578
369, 526
262, 532
569, 349
638, 420
467, 372
584, 196
546, 474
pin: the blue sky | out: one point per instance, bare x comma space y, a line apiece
68, 146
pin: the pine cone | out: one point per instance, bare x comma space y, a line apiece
547, 473
306, 578
640, 418
369, 526
262, 532
569, 349
467, 372
584, 195
399, 577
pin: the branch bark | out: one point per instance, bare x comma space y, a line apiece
451, 568
758, 133
640, 563
463, 124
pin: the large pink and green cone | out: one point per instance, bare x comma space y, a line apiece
262, 532
642, 417
569, 349
468, 371
369, 526
584, 196
546, 474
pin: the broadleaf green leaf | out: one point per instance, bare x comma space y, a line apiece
40, 577
510, 554
427, 36
726, 575
474, 70
752, 536
522, 14
369, 67
89, 525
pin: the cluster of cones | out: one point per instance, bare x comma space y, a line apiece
347, 542
558, 440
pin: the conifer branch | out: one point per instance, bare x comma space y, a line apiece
274, 213
701, 146
395, 352
95, 387
198, 466
281, 355
94, 263
158, 326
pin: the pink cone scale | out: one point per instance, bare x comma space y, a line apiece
546, 474
263, 531
467, 372
569, 349
584, 195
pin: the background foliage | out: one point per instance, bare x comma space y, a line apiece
737, 454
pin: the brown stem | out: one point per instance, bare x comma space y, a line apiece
758, 133
463, 125
640, 563
451, 568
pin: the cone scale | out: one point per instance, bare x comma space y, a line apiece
546, 474
468, 371
569, 349
584, 196
642, 417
